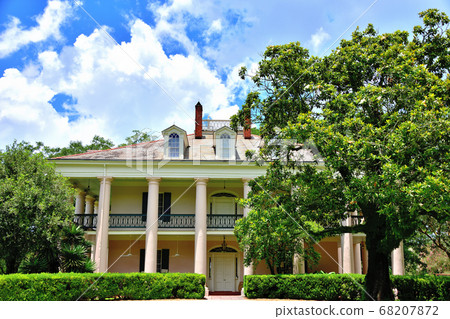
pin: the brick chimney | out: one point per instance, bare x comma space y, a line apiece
248, 123
198, 120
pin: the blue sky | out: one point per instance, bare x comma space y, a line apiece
144, 64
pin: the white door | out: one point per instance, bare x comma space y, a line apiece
224, 272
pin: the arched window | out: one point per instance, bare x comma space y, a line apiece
226, 149
174, 145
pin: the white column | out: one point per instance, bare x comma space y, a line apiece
397, 256
101, 242
151, 231
339, 253
200, 226
247, 270
89, 208
79, 202
365, 258
299, 263
93, 244
95, 207
347, 249
357, 257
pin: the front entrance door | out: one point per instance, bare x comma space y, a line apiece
224, 271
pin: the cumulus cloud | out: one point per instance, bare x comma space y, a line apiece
117, 89
318, 38
48, 25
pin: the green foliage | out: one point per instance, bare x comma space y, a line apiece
341, 287
140, 136
308, 286
33, 264
268, 232
109, 286
422, 288
77, 147
73, 251
34, 204
375, 112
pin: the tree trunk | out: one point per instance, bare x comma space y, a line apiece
378, 282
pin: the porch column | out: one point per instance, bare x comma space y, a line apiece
347, 249
200, 226
89, 208
79, 202
357, 257
92, 222
151, 231
247, 270
101, 240
398, 266
339, 253
365, 258
299, 263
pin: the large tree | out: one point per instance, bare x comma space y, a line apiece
376, 110
34, 204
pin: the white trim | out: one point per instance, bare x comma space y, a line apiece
183, 142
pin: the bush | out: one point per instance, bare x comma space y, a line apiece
341, 287
71, 286
422, 287
310, 286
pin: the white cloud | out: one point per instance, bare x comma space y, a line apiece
318, 38
215, 27
48, 24
113, 94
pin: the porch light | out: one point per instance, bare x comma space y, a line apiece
224, 244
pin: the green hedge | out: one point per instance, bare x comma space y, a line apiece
422, 287
341, 287
110, 286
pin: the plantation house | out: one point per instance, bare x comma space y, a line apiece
170, 206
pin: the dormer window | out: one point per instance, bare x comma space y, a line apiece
225, 143
174, 145
175, 142
226, 147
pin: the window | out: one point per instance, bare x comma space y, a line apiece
226, 149
162, 260
174, 145
164, 203
175, 142
225, 143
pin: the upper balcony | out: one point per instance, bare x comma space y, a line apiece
139, 221
214, 125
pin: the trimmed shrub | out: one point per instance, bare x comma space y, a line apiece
422, 287
110, 286
341, 287
309, 286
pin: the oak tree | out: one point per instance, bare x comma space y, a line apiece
376, 110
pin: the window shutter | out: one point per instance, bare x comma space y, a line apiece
165, 259
158, 260
141, 260
144, 206
166, 207
160, 204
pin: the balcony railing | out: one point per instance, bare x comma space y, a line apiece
222, 221
214, 125
89, 221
